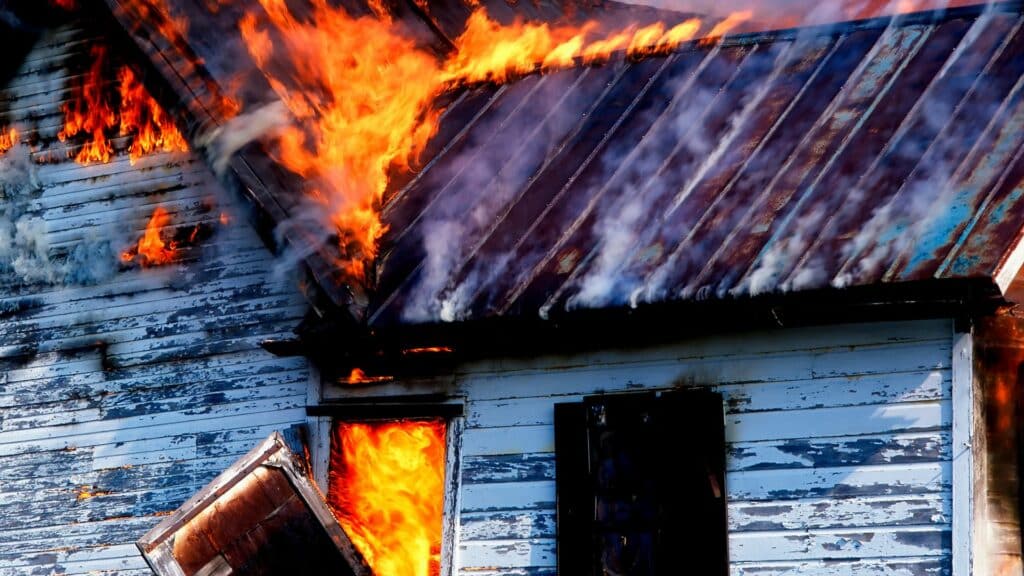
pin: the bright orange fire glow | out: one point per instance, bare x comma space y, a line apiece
357, 376
364, 94
152, 250
90, 111
144, 118
387, 489
8, 138
428, 350
96, 108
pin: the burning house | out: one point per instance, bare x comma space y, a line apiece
482, 287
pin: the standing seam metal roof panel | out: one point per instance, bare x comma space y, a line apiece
881, 151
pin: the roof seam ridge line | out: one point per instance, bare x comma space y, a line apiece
444, 150
823, 119
1017, 29
970, 158
662, 167
904, 129
861, 122
655, 126
658, 274
599, 148
904, 254
1000, 181
712, 159
719, 198
473, 154
1015, 93
405, 282
777, 125
450, 286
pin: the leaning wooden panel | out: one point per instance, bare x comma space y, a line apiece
262, 515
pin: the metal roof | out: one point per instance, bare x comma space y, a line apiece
869, 153
876, 152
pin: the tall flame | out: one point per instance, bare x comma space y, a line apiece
96, 108
143, 118
387, 490
364, 94
91, 112
152, 250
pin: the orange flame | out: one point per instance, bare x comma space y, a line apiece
428, 350
387, 489
95, 108
357, 376
152, 250
8, 139
90, 112
144, 118
364, 94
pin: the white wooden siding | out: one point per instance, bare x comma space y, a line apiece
838, 438
186, 389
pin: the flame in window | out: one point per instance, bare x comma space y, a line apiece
387, 490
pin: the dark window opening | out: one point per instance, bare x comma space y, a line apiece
641, 485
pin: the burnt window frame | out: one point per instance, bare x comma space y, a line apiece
691, 413
322, 418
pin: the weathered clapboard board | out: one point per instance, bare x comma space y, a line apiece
123, 396
838, 445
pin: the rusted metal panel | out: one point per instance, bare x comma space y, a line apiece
846, 156
262, 515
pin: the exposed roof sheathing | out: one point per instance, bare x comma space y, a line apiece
876, 152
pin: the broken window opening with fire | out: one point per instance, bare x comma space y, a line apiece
387, 488
383, 513
640, 481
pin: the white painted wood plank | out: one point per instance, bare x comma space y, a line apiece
750, 427
839, 482
188, 426
740, 398
641, 372
507, 554
808, 514
964, 501
799, 340
882, 542
905, 566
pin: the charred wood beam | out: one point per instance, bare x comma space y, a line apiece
387, 409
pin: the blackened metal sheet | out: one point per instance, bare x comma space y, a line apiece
874, 152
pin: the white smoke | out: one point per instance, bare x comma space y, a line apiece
25, 252
23, 244
487, 177
222, 142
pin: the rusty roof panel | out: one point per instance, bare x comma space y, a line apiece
880, 151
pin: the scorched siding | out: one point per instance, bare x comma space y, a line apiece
123, 394
838, 445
